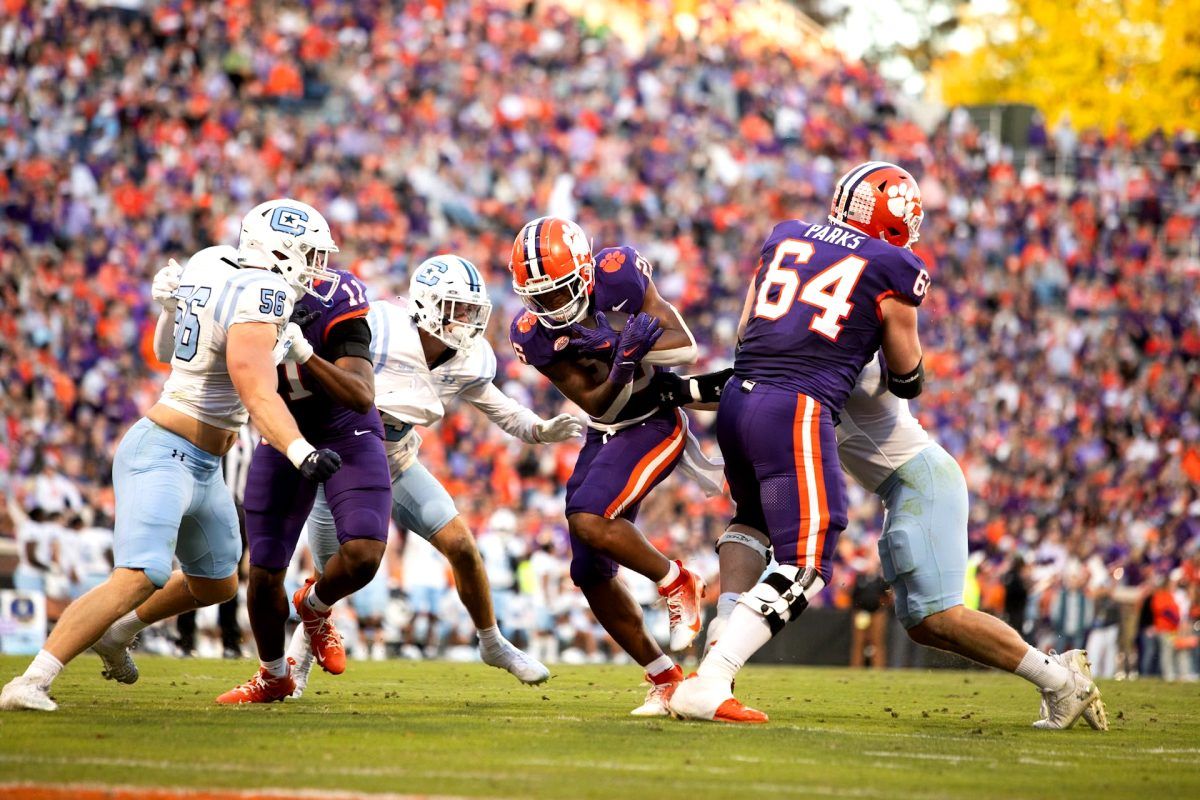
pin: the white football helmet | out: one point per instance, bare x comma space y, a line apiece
449, 300
292, 239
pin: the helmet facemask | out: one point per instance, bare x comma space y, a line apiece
558, 303
457, 322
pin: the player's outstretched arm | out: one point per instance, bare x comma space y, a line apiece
166, 282
252, 370
677, 345
902, 348
517, 420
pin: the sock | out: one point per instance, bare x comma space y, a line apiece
490, 638
127, 627
659, 667
671, 576
315, 603
745, 632
44, 669
1042, 671
725, 604
277, 668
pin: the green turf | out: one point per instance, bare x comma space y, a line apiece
455, 729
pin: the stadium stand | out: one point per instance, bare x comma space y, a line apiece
1064, 323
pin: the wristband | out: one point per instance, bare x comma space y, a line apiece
299, 450
622, 372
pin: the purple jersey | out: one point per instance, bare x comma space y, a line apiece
622, 277
815, 319
318, 415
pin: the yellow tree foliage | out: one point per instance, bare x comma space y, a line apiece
1104, 62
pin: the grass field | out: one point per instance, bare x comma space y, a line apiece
467, 730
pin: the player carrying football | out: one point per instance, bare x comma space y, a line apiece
221, 321
633, 442
429, 349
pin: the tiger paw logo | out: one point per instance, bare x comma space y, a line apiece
902, 200
526, 322
612, 261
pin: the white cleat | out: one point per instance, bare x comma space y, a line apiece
300, 654
1063, 708
521, 665
118, 662
710, 700
683, 607
25, 694
656, 699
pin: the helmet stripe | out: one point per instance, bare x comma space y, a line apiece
533, 232
472, 274
847, 185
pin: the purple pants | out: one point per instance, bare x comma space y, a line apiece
612, 476
278, 499
782, 465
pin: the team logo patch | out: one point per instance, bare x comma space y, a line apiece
526, 322
561, 343
902, 200
613, 261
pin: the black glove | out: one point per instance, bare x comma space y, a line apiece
320, 465
680, 390
304, 316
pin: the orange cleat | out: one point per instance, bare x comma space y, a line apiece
711, 700
732, 710
325, 640
683, 607
262, 688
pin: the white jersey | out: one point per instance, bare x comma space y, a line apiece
408, 392
215, 294
877, 434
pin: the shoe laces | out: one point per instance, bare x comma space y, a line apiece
326, 634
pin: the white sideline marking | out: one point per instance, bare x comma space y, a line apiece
134, 790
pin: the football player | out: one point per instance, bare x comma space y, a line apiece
843, 290
633, 441
923, 552
328, 381
429, 349
219, 328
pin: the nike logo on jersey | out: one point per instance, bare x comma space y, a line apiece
359, 433
620, 305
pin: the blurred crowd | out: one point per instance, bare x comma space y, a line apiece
1063, 329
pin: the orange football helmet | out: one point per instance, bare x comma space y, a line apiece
880, 199
553, 271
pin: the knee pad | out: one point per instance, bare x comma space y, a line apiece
783, 595
744, 535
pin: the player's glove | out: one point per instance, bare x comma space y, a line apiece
601, 340
295, 347
559, 429
304, 316
637, 339
320, 465
166, 283
681, 390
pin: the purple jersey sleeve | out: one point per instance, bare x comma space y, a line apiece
349, 302
905, 275
622, 277
534, 343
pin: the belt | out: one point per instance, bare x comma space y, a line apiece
394, 433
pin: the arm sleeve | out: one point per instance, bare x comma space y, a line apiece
509, 415
164, 337
350, 337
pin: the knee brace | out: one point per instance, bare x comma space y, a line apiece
745, 536
783, 595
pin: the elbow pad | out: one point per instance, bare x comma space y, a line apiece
908, 385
